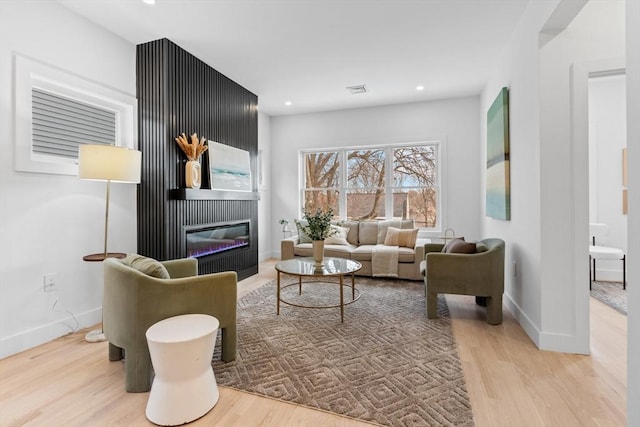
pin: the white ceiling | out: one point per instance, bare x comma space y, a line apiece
308, 51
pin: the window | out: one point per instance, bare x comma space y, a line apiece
56, 112
321, 191
366, 184
379, 182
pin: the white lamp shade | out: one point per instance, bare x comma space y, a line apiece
109, 163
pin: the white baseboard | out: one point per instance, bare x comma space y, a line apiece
42, 334
529, 327
268, 255
562, 343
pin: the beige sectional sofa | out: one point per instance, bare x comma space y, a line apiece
362, 237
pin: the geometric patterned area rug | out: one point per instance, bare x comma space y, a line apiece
612, 294
386, 364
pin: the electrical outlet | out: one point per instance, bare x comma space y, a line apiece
49, 282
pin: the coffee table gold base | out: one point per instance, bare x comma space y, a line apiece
303, 267
356, 296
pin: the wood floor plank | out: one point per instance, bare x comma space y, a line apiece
510, 382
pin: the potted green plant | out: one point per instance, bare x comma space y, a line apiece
318, 228
285, 224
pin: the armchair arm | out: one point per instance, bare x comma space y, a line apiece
473, 269
419, 249
184, 267
215, 294
286, 247
433, 247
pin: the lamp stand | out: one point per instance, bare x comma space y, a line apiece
104, 255
97, 335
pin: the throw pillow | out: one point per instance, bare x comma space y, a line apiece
450, 242
481, 247
302, 236
148, 266
398, 237
459, 246
339, 236
397, 223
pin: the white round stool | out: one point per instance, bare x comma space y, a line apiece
184, 387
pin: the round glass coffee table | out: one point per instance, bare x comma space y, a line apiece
304, 267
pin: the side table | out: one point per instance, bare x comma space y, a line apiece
184, 388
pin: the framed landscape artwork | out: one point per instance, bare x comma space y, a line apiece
498, 191
230, 167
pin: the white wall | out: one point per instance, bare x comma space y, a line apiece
518, 70
543, 295
48, 222
596, 33
454, 121
607, 138
633, 219
264, 187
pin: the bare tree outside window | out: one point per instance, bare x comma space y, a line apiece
322, 172
415, 177
365, 192
365, 184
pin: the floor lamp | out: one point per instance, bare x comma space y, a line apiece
111, 164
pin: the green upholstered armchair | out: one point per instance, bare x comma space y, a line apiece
480, 274
133, 301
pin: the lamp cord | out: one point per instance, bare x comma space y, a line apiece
53, 308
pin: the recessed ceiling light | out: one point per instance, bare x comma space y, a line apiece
420, 87
149, 1
357, 89
287, 103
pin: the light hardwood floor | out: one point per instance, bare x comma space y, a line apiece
69, 382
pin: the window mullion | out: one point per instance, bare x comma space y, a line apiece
388, 187
342, 185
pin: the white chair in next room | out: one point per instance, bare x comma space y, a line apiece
599, 231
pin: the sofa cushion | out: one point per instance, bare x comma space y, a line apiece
396, 223
363, 253
398, 237
406, 255
339, 237
368, 233
148, 266
459, 246
303, 249
352, 235
338, 251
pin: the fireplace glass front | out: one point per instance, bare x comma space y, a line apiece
210, 239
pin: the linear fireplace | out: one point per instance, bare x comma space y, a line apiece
204, 240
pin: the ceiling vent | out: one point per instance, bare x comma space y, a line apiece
357, 89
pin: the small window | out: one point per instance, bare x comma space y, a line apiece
56, 112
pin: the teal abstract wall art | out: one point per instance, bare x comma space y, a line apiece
498, 188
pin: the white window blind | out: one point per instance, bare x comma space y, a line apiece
61, 124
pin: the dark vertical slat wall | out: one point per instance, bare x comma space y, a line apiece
179, 93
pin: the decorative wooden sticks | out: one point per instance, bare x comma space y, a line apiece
192, 149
